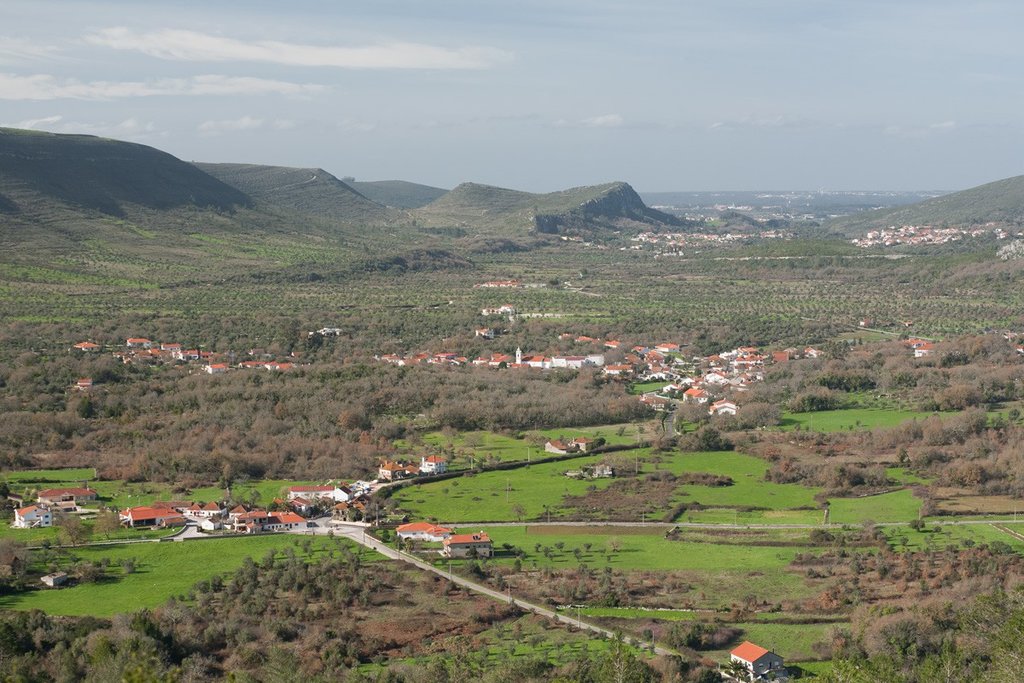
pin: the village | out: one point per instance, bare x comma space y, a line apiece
920, 235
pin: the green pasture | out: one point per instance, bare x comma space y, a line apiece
493, 496
484, 446
895, 506
904, 538
848, 419
749, 487
162, 570
721, 570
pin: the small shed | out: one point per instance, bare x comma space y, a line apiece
55, 580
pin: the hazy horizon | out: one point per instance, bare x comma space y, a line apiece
539, 96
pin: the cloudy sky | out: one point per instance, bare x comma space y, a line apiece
540, 94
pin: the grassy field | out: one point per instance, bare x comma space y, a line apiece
848, 418
484, 447
905, 538
897, 506
722, 569
162, 570
749, 487
493, 496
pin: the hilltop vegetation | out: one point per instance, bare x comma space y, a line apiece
579, 210
398, 193
306, 191
999, 202
96, 174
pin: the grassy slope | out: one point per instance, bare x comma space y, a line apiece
398, 193
1001, 201
162, 570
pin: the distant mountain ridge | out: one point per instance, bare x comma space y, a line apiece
102, 175
309, 191
580, 209
400, 194
1001, 201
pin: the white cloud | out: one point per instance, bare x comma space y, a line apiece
230, 125
44, 122
193, 46
47, 87
21, 49
604, 121
284, 124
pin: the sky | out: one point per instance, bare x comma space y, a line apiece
540, 95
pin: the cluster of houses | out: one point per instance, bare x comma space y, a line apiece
453, 545
710, 380
917, 235
429, 464
49, 501
142, 351
517, 361
673, 243
290, 513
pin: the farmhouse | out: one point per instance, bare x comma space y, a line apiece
762, 664
138, 343
67, 495
217, 368
468, 545
433, 464
393, 471
339, 494
84, 384
86, 346
558, 447
144, 515
423, 531
206, 511
32, 516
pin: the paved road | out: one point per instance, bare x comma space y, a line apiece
357, 533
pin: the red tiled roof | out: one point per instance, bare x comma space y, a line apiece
286, 518
426, 527
467, 539
27, 510
748, 651
310, 489
48, 493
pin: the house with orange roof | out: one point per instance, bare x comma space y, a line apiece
695, 395
86, 346
761, 664
217, 368
391, 471
84, 384
423, 531
32, 516
73, 495
138, 343
468, 545
144, 515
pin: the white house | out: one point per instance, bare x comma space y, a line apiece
433, 464
723, 407
32, 516
762, 664
339, 494
423, 531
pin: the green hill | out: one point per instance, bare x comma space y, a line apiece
612, 206
998, 202
97, 174
308, 191
398, 193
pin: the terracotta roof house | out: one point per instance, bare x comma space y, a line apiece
761, 664
65, 495
86, 346
468, 545
150, 516
338, 494
723, 407
32, 516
